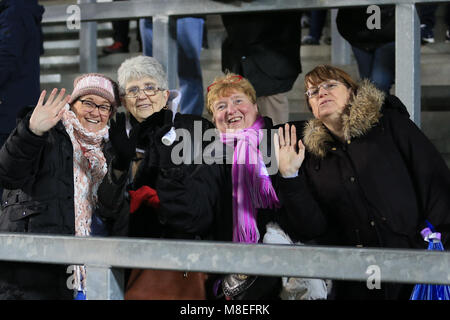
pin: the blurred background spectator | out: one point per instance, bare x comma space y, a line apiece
316, 24
20, 47
374, 49
265, 49
427, 16
121, 37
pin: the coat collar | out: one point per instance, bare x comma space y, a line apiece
361, 115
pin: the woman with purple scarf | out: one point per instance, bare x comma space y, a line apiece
237, 185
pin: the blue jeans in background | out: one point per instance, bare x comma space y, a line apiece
317, 23
189, 41
378, 66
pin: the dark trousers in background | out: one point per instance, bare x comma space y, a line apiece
378, 66
317, 23
427, 14
120, 31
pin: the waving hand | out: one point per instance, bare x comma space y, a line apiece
288, 157
46, 115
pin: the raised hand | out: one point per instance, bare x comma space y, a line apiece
46, 115
288, 158
124, 145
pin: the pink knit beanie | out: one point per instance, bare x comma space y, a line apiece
95, 83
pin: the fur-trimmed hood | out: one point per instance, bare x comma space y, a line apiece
361, 115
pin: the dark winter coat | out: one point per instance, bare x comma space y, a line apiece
37, 175
214, 183
264, 48
378, 188
20, 48
353, 25
173, 219
156, 170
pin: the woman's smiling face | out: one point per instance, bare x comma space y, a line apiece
234, 112
142, 105
92, 119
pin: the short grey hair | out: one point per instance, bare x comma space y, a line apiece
140, 67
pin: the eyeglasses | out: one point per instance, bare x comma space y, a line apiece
90, 106
231, 79
134, 92
314, 91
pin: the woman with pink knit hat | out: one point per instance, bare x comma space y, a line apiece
51, 168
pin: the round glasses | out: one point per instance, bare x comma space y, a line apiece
328, 85
90, 106
134, 92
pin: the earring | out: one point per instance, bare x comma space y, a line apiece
166, 107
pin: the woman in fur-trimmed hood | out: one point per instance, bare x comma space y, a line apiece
373, 173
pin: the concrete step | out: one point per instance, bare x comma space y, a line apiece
68, 48
61, 32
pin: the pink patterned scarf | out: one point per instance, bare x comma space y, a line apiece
252, 188
89, 168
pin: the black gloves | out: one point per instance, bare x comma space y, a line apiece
124, 146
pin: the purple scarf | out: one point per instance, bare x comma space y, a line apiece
252, 188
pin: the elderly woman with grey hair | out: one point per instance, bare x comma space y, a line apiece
143, 139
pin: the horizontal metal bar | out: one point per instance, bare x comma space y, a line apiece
395, 265
107, 11
104, 283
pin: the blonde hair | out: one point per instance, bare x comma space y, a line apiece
222, 86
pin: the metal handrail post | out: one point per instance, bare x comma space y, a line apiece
407, 59
340, 48
104, 283
165, 46
88, 44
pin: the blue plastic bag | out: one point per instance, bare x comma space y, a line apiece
431, 291
80, 295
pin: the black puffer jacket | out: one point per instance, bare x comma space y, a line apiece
37, 175
376, 189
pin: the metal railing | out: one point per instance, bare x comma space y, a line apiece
407, 61
104, 258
